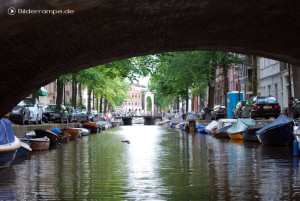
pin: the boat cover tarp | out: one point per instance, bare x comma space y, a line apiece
176, 120
211, 125
258, 126
223, 129
7, 134
241, 125
281, 120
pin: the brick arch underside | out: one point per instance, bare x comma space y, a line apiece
36, 49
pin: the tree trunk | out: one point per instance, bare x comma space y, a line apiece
187, 105
74, 94
89, 100
211, 94
80, 96
177, 104
101, 104
60, 90
254, 75
64, 87
193, 104
35, 94
97, 104
93, 101
105, 105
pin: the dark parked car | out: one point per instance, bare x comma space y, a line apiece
56, 113
80, 114
237, 110
218, 112
296, 108
20, 114
71, 113
261, 106
205, 113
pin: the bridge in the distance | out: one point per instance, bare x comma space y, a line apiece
148, 120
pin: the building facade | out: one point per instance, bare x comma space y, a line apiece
134, 102
274, 81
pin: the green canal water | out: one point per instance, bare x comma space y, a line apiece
158, 164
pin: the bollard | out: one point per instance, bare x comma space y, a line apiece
295, 147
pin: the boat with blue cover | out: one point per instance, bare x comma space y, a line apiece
9, 143
250, 133
279, 132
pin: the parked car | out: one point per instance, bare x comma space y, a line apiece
296, 108
56, 113
205, 113
218, 112
80, 114
261, 106
36, 112
192, 116
237, 110
20, 114
71, 113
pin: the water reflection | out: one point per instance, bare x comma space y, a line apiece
158, 164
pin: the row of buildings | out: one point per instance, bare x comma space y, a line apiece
272, 80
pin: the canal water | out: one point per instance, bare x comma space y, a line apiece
158, 164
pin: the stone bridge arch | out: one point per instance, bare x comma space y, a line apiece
151, 96
37, 48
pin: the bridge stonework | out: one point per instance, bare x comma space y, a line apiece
37, 48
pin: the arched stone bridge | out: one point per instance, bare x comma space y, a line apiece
37, 48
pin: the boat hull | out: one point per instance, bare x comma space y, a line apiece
39, 145
6, 158
280, 135
250, 136
236, 136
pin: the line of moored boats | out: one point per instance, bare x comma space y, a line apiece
41, 139
281, 131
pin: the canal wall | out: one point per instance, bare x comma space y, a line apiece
20, 130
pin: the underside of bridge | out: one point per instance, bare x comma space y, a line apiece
37, 48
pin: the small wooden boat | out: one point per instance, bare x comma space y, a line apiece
9, 143
250, 133
241, 125
83, 131
92, 126
54, 139
73, 133
279, 132
24, 150
222, 132
38, 144
63, 137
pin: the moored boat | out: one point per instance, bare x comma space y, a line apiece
241, 125
9, 143
24, 150
39, 144
279, 132
92, 126
83, 131
54, 139
250, 133
222, 127
73, 133
222, 132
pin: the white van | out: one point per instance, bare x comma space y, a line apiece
36, 113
